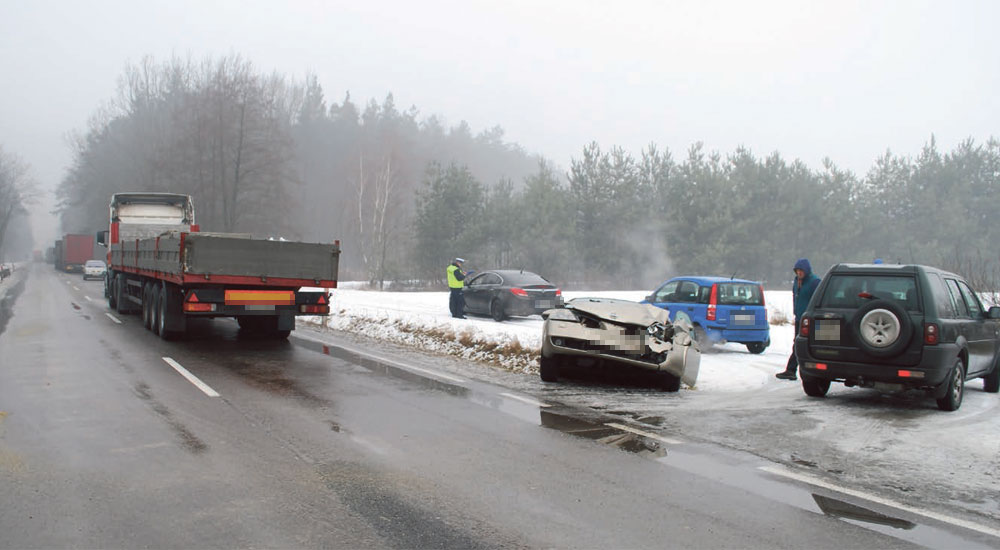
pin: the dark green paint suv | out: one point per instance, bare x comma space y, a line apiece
896, 328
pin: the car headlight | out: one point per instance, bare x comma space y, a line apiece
660, 331
561, 314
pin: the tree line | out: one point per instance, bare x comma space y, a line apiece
18, 190
405, 194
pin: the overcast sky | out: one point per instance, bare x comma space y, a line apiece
842, 79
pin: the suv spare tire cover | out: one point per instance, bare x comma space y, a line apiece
883, 328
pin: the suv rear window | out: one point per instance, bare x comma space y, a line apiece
846, 291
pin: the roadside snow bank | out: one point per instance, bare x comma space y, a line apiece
422, 320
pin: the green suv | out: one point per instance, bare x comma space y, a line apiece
896, 328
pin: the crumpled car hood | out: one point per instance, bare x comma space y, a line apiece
620, 311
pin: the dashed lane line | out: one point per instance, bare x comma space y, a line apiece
113, 318
191, 378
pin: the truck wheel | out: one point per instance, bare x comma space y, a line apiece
147, 316
154, 310
121, 300
167, 315
109, 292
952, 398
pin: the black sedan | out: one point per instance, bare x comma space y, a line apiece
503, 293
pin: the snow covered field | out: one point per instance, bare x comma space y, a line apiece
421, 319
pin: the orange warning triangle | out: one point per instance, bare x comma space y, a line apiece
193, 297
322, 299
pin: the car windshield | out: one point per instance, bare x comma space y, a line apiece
854, 290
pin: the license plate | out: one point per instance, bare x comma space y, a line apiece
827, 330
743, 319
544, 304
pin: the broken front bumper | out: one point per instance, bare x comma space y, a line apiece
678, 356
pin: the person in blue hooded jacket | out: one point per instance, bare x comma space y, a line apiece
802, 291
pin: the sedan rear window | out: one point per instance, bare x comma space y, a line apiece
525, 279
854, 290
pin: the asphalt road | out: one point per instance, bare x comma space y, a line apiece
329, 441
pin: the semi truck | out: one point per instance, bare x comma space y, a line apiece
161, 265
75, 251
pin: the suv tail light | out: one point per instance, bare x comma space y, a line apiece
713, 299
804, 329
930, 334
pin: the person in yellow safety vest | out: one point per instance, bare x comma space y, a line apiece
456, 282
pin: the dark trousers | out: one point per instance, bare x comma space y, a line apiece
793, 362
456, 303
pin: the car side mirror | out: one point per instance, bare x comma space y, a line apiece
993, 313
650, 298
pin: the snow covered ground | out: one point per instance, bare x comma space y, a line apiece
421, 319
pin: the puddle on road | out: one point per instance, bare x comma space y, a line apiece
601, 433
840, 509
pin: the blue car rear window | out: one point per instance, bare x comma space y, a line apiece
739, 294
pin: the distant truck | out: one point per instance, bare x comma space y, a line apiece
57, 255
161, 265
75, 251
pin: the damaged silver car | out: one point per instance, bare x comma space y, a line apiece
620, 333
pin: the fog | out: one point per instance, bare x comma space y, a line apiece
844, 80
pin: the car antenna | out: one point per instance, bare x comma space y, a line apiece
733, 276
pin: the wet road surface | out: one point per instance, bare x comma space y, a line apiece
317, 442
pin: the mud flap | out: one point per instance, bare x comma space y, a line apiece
175, 320
286, 322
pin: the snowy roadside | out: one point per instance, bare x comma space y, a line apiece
421, 320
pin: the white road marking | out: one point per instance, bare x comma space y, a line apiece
113, 318
418, 369
191, 378
88, 298
784, 472
75, 287
390, 361
643, 433
526, 400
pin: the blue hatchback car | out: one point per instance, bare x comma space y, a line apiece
722, 310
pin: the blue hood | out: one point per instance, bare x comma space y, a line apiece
803, 264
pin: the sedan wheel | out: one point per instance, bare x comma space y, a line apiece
496, 310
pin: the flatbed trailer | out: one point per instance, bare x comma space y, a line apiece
161, 265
